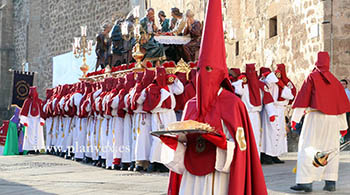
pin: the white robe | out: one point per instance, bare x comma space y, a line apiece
143, 128
127, 155
78, 128
213, 183
162, 117
117, 129
34, 134
274, 137
254, 111
320, 132
109, 133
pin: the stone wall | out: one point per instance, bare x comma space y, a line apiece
6, 56
341, 31
44, 29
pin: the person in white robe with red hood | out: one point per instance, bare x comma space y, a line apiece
31, 116
256, 96
323, 101
274, 135
227, 163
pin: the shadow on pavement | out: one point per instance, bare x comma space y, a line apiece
13, 188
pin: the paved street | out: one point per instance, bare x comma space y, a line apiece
44, 174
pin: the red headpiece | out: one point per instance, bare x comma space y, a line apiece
32, 102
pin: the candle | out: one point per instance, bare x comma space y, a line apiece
83, 30
76, 41
137, 29
73, 47
137, 12
124, 28
90, 44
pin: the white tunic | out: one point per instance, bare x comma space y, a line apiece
320, 132
213, 183
162, 117
274, 137
253, 111
34, 133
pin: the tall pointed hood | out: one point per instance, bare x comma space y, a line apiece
212, 60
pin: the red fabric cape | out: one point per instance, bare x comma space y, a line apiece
246, 175
324, 94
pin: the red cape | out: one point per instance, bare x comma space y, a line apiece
246, 175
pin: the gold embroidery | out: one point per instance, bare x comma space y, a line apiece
240, 137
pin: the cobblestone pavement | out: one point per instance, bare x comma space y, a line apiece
45, 174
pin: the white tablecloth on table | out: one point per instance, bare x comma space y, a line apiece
173, 40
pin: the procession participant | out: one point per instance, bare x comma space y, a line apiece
210, 163
63, 122
190, 88
11, 145
234, 73
101, 127
83, 124
86, 112
56, 119
274, 135
182, 76
127, 123
69, 113
142, 122
95, 127
324, 101
31, 116
108, 142
48, 118
159, 99
118, 125
103, 46
78, 132
194, 29
255, 95
164, 22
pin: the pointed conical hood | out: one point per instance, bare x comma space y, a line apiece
212, 59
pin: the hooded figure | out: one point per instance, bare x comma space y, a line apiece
31, 116
159, 99
274, 137
210, 163
323, 101
255, 95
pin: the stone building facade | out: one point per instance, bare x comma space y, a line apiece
34, 31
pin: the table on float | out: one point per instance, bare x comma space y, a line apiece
173, 40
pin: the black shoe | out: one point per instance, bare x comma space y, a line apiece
162, 168
125, 166
94, 162
151, 168
266, 159
302, 187
276, 160
330, 186
138, 169
62, 154
132, 167
67, 157
109, 168
78, 159
103, 163
86, 160
116, 167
